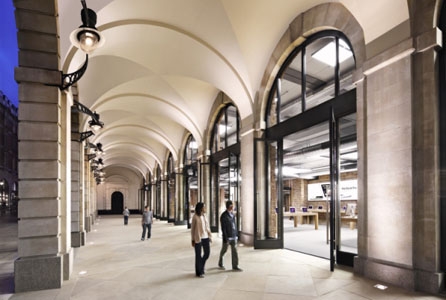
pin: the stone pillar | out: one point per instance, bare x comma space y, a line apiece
93, 197
163, 195
426, 181
65, 203
39, 264
152, 199
87, 198
204, 190
77, 208
180, 213
247, 185
388, 173
171, 198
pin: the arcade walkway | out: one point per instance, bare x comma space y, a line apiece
116, 264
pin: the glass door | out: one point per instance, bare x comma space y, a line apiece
268, 204
306, 188
225, 186
345, 156
190, 191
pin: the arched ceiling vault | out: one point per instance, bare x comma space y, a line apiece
164, 62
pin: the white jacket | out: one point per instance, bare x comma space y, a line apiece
196, 230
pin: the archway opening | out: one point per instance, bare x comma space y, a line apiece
117, 203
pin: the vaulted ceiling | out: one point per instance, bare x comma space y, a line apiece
164, 62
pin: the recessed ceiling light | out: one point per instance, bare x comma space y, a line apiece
82, 272
327, 54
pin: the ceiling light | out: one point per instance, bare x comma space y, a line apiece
327, 54
95, 123
87, 37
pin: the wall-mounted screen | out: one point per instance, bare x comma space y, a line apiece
321, 190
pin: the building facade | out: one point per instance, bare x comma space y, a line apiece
8, 162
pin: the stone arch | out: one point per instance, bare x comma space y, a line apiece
321, 17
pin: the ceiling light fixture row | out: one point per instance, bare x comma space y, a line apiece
86, 38
95, 123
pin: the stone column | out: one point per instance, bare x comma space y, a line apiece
247, 185
385, 133
39, 264
87, 198
180, 216
426, 164
163, 194
77, 211
204, 189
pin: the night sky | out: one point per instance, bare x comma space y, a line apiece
8, 51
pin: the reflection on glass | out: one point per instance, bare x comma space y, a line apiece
346, 69
273, 200
226, 129
348, 210
306, 172
191, 178
319, 77
231, 126
222, 130
290, 87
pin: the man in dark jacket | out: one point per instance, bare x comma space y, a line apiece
229, 230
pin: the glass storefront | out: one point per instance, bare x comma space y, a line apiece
308, 153
225, 166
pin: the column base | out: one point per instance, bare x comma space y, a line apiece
247, 238
395, 275
432, 283
78, 239
67, 259
37, 273
88, 221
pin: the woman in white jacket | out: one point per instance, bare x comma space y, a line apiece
201, 238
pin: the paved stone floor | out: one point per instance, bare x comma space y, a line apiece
116, 264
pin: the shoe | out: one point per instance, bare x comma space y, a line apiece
221, 267
142, 239
201, 275
237, 269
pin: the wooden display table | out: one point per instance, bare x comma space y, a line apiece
302, 215
353, 220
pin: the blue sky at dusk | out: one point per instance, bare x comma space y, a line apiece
8, 51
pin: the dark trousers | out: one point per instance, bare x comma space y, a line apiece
234, 254
200, 261
148, 228
126, 220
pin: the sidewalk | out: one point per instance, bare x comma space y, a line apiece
116, 264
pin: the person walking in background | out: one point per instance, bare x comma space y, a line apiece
201, 238
147, 220
229, 230
126, 214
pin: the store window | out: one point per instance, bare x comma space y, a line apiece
190, 175
226, 131
171, 181
225, 166
308, 154
311, 76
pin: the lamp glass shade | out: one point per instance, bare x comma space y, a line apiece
87, 39
95, 127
